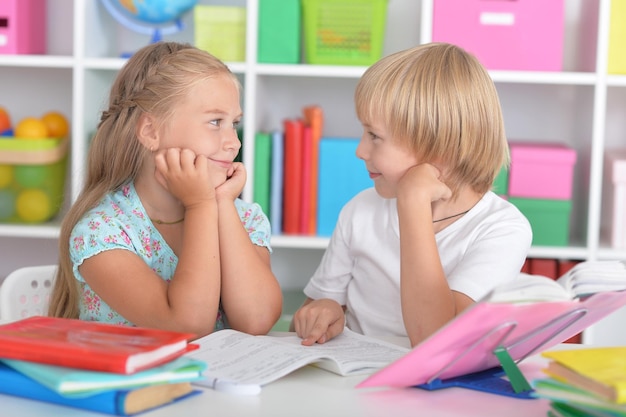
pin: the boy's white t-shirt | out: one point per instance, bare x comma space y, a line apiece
361, 266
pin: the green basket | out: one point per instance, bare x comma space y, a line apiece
344, 32
32, 179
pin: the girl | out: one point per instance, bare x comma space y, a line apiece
430, 238
158, 236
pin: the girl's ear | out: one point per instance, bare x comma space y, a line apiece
146, 132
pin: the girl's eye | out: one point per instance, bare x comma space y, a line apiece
216, 122
236, 124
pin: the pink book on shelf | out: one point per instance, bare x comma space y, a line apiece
466, 344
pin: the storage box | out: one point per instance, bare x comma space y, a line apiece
614, 197
344, 32
221, 31
523, 35
279, 31
32, 179
23, 26
341, 176
617, 38
549, 219
501, 182
541, 171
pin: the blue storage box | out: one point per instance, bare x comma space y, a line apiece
341, 176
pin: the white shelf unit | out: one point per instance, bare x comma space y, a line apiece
581, 106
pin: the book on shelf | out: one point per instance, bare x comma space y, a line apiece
262, 170
260, 360
79, 383
305, 187
123, 402
90, 345
566, 398
292, 175
599, 370
521, 326
276, 188
314, 118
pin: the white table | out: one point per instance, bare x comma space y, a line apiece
314, 392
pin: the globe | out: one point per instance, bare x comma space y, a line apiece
152, 17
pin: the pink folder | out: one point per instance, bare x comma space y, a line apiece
466, 344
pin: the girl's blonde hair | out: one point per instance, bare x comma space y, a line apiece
153, 81
441, 102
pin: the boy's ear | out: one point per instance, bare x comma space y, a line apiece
146, 132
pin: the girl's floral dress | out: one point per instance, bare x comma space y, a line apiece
121, 222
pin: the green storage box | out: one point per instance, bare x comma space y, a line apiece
279, 32
549, 219
32, 179
344, 32
221, 31
501, 183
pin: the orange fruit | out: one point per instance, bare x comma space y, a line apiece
5, 120
31, 128
57, 124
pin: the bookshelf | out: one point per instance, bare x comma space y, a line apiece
581, 106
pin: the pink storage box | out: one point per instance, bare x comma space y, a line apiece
23, 26
615, 198
525, 35
541, 171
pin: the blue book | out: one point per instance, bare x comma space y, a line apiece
276, 188
341, 176
117, 402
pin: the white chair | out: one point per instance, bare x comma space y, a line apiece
26, 292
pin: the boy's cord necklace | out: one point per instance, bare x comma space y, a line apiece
450, 217
157, 221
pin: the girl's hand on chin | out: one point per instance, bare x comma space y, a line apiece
185, 175
235, 181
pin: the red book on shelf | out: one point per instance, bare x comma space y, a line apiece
546, 267
314, 117
90, 345
292, 187
307, 171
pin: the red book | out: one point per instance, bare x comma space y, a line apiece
307, 172
90, 345
314, 117
292, 187
546, 267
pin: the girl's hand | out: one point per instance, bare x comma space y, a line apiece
319, 321
235, 181
185, 175
426, 180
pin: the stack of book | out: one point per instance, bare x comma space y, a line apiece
585, 382
106, 368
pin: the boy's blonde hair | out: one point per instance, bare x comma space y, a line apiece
153, 81
441, 102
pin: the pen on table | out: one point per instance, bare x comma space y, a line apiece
231, 387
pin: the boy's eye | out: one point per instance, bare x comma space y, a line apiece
236, 124
373, 136
216, 122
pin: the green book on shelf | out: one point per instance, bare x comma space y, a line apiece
262, 170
